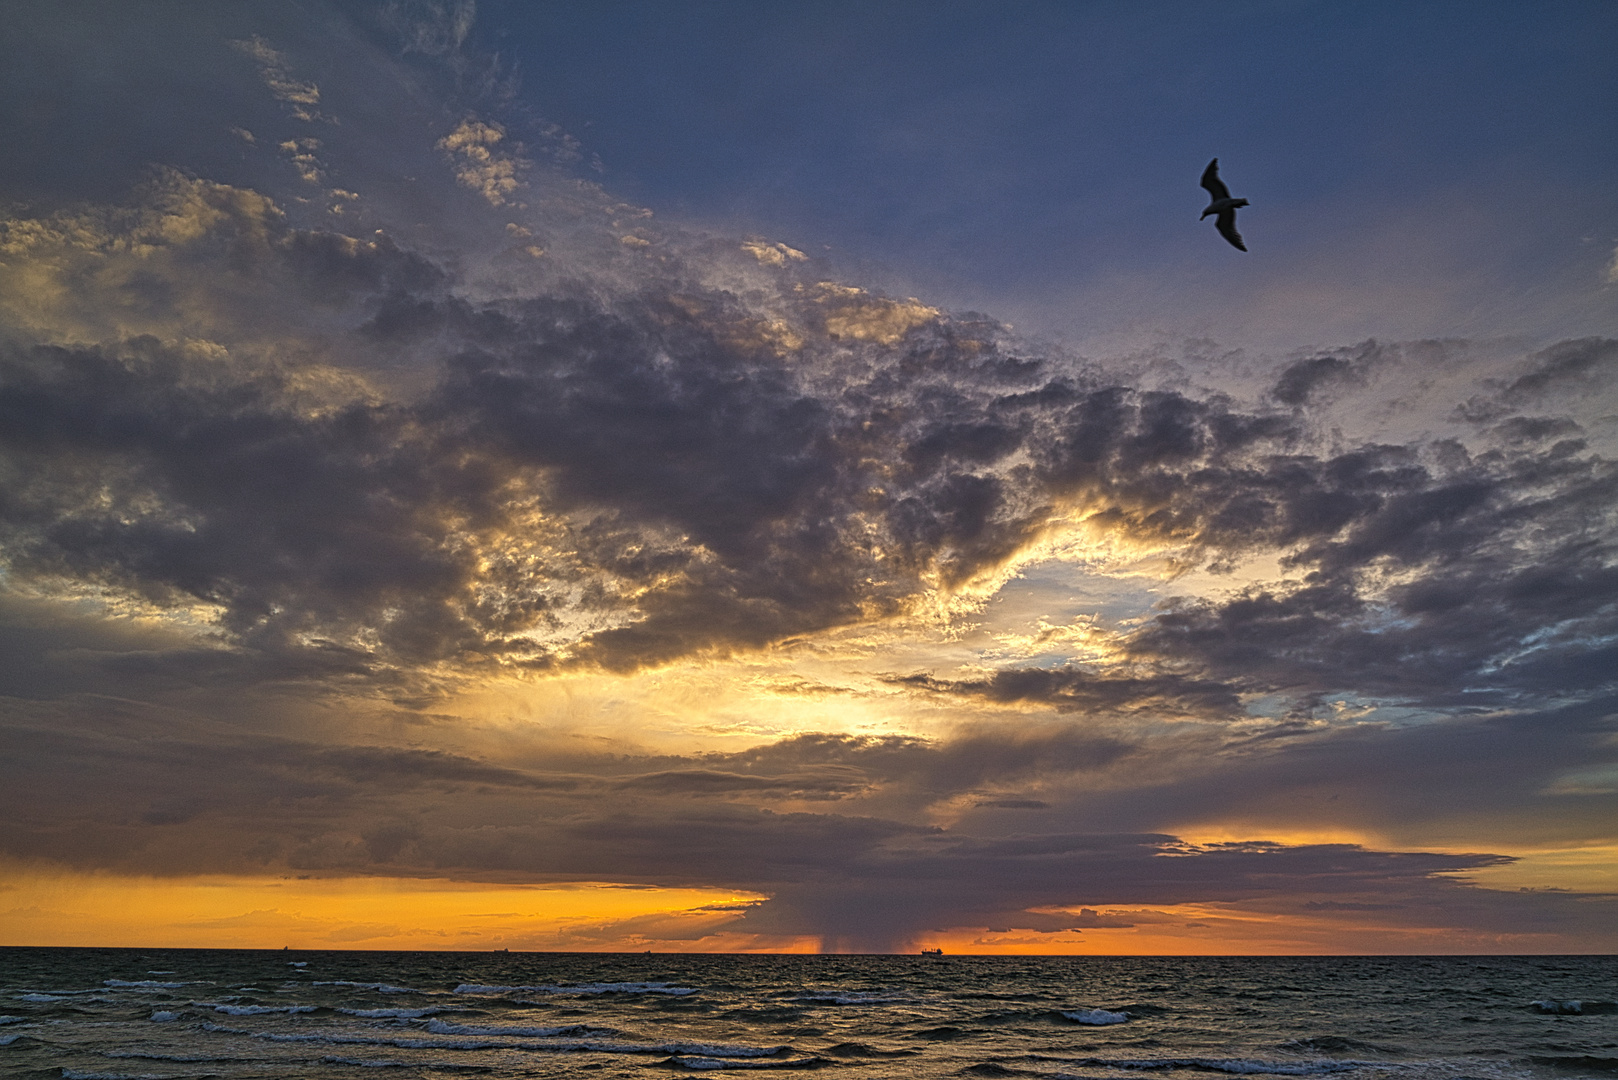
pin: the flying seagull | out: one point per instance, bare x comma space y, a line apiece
1222, 204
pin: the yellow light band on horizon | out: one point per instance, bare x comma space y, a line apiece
75, 909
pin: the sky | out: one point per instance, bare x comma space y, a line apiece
726, 477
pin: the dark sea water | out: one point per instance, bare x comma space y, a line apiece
218, 1013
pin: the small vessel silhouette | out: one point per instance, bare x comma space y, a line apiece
932, 952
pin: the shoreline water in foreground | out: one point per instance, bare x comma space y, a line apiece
148, 1013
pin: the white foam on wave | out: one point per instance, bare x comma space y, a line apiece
858, 997
298, 963
163, 1016
582, 988
12, 1019
43, 998
1561, 1008
7, 1040
143, 984
391, 1014
1096, 1017
381, 988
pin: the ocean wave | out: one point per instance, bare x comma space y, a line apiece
151, 1055
381, 988
1574, 1007
7, 1040
1584, 1063
862, 1050
1229, 1066
704, 1064
392, 1014
551, 1045
12, 1019
1096, 1017
855, 997
143, 984
444, 1027
255, 1010
379, 1063
163, 1016
384, 1063
583, 988
42, 999
1334, 1044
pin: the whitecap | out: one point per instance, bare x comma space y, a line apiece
391, 1014
1561, 1008
12, 1019
7, 1040
142, 984
858, 997
163, 1016
1096, 1017
381, 988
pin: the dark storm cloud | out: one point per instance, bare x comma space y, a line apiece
1514, 776
744, 477
129, 468
1481, 581
181, 792
1584, 365
1070, 689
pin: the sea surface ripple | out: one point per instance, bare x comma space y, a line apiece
175, 1013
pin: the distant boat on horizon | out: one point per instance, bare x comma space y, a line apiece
932, 952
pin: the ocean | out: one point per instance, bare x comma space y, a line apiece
125, 1013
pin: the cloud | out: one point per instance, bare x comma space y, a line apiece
276, 71
276, 484
479, 164
1069, 689
624, 481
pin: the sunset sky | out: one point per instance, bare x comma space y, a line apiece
732, 476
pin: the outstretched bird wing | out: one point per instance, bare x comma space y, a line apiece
1226, 224
1215, 186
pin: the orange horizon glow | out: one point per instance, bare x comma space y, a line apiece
72, 909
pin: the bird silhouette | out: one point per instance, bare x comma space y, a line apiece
1222, 205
